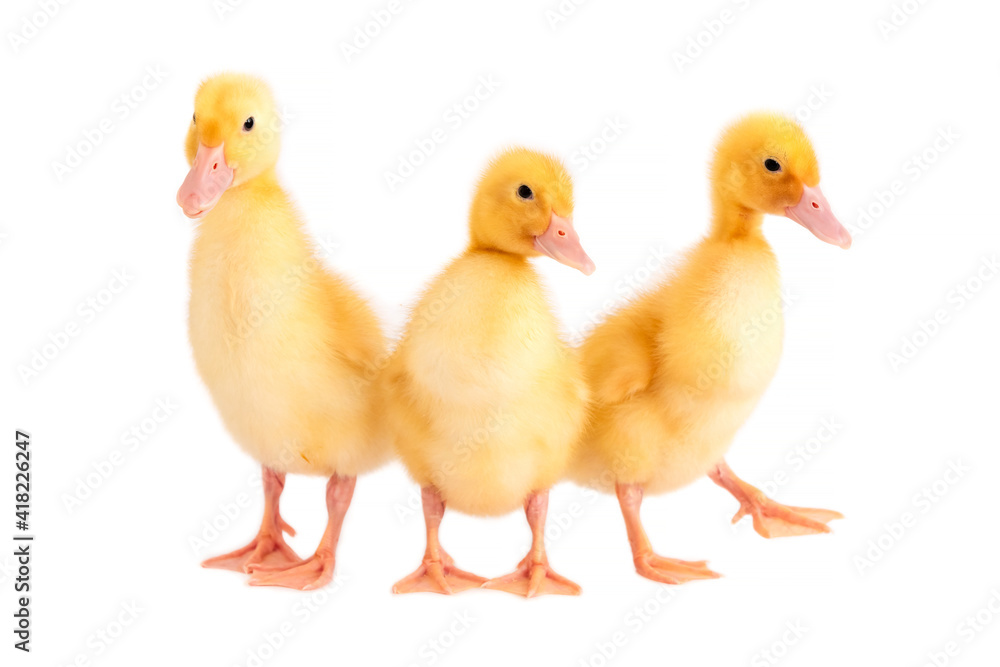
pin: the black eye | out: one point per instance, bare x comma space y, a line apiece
248, 124
772, 165
192, 118
524, 192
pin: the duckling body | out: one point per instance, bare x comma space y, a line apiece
276, 337
483, 399
476, 384
676, 373
712, 341
287, 350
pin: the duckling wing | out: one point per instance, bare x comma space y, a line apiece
355, 335
619, 356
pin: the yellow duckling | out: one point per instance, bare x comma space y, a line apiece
285, 348
483, 399
676, 373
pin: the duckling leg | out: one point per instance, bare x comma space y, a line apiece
269, 545
437, 573
770, 518
647, 563
533, 575
317, 570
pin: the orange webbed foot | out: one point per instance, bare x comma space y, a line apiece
267, 549
438, 575
317, 570
772, 519
312, 573
533, 578
671, 570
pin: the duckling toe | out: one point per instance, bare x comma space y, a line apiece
438, 576
672, 570
310, 574
533, 578
265, 550
773, 519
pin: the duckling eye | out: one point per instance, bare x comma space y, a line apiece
524, 192
772, 165
192, 120
248, 124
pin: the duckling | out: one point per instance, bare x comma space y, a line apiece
285, 348
483, 398
677, 372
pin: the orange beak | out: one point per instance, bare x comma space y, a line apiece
561, 242
209, 177
813, 212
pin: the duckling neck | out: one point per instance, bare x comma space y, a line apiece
734, 222
258, 206
263, 186
481, 250
256, 223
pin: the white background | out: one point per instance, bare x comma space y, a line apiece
878, 100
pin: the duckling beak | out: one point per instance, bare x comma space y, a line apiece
813, 212
561, 242
209, 177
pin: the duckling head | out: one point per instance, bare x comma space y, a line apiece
233, 137
764, 163
523, 205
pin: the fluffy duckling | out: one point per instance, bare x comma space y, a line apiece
285, 348
677, 372
483, 398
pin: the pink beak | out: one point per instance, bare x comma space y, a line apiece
208, 179
813, 212
561, 242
